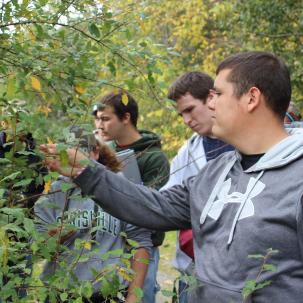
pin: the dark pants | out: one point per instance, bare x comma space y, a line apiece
97, 298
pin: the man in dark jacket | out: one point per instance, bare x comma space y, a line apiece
116, 121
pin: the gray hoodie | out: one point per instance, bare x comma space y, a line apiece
81, 213
233, 214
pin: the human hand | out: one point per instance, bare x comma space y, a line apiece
75, 159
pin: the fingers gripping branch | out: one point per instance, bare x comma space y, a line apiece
76, 160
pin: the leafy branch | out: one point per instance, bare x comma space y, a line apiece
93, 29
253, 285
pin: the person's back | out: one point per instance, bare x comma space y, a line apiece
116, 122
75, 219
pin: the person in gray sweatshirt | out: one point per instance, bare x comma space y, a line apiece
245, 202
72, 219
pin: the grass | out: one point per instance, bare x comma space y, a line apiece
166, 273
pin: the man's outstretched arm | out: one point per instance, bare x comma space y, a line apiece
121, 198
133, 203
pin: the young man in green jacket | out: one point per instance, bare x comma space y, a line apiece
116, 121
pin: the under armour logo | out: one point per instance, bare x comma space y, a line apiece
236, 197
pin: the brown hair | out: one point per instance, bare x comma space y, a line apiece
263, 70
197, 84
89, 143
120, 108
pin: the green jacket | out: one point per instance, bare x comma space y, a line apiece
153, 165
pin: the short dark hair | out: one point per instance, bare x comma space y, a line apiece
120, 107
263, 70
197, 84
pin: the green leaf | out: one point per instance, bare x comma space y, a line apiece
123, 234
272, 251
112, 68
249, 287
255, 256
39, 29
167, 293
28, 225
4, 161
269, 267
2, 191
66, 186
116, 252
24, 4
143, 260
87, 290
132, 243
63, 296
93, 29
63, 157
43, 2
34, 247
14, 212
11, 87
12, 176
263, 284
23, 182
26, 153
139, 293
51, 176
106, 288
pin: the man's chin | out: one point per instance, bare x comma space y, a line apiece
204, 132
215, 132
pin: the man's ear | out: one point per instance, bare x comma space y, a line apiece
254, 99
126, 118
210, 96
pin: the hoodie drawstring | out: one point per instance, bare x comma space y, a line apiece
215, 191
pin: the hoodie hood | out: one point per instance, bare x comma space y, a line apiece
286, 151
281, 154
148, 140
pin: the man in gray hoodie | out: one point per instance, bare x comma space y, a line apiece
243, 203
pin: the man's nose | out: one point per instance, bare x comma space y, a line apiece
98, 123
186, 119
211, 102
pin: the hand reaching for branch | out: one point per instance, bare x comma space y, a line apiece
75, 160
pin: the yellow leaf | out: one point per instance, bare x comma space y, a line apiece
79, 89
52, 100
47, 186
87, 245
125, 274
36, 83
44, 109
49, 141
32, 36
11, 86
142, 25
4, 124
125, 99
4, 243
42, 95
